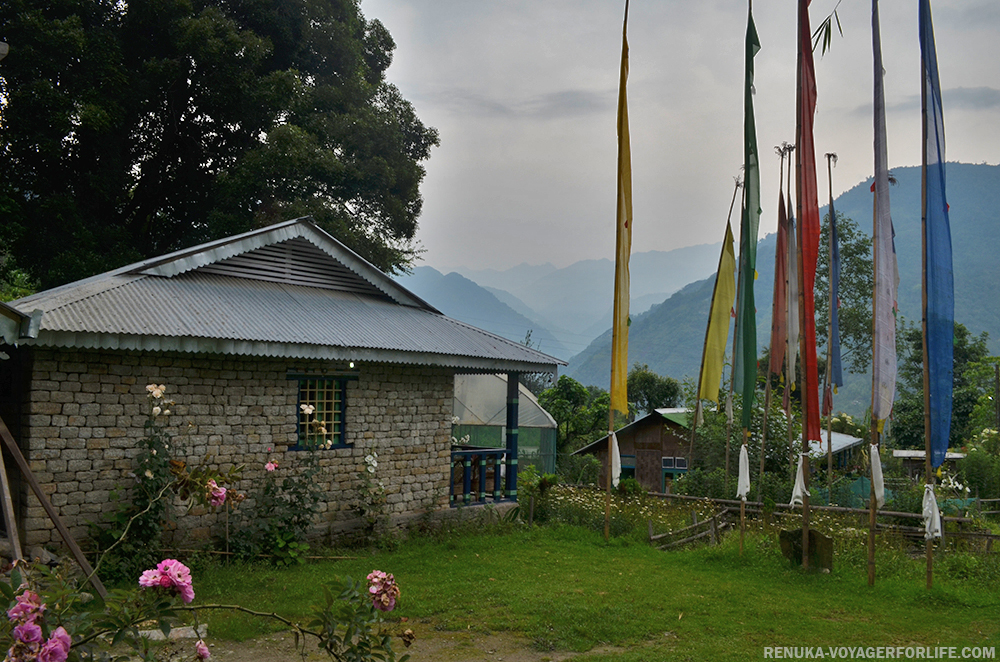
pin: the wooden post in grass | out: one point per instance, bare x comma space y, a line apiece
743, 522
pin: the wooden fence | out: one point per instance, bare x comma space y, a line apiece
710, 529
729, 506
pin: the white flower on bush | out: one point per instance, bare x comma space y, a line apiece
949, 482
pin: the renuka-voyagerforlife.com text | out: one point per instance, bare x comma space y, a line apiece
881, 652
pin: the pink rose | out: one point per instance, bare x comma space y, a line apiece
29, 607
150, 578
383, 590
29, 633
271, 466
202, 650
170, 573
56, 649
216, 495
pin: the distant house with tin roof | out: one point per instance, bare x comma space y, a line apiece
654, 449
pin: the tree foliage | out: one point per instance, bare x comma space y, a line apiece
854, 314
648, 391
908, 413
581, 413
133, 129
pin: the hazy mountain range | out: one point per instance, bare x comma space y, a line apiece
564, 308
569, 310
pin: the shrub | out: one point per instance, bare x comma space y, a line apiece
278, 518
630, 487
981, 471
579, 469
130, 537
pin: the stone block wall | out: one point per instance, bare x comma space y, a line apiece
85, 410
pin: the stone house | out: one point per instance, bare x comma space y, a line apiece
242, 331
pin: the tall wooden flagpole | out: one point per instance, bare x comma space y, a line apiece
805, 84
623, 248
831, 158
938, 279
791, 316
778, 257
884, 295
746, 311
928, 471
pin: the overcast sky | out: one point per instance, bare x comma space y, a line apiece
523, 94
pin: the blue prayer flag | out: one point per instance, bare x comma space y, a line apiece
939, 277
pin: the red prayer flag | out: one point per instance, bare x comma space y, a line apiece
809, 225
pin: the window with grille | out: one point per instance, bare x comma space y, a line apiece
321, 412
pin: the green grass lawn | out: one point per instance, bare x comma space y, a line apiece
565, 588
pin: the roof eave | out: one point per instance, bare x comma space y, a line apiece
193, 345
15, 325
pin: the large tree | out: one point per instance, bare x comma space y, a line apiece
134, 128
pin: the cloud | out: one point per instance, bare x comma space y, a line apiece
552, 105
970, 16
957, 98
972, 98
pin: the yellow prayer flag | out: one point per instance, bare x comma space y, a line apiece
623, 242
718, 322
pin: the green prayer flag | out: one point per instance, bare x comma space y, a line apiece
745, 370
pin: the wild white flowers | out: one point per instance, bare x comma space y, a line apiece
155, 393
371, 462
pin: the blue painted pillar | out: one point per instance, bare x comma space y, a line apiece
513, 381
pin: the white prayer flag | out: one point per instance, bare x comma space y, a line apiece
743, 484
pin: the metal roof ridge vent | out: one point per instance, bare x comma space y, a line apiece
205, 254
295, 261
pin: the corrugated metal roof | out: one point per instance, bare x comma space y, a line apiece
676, 415
839, 440
162, 305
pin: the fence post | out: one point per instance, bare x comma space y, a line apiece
467, 479
497, 486
482, 477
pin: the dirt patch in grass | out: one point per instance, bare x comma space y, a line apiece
430, 645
